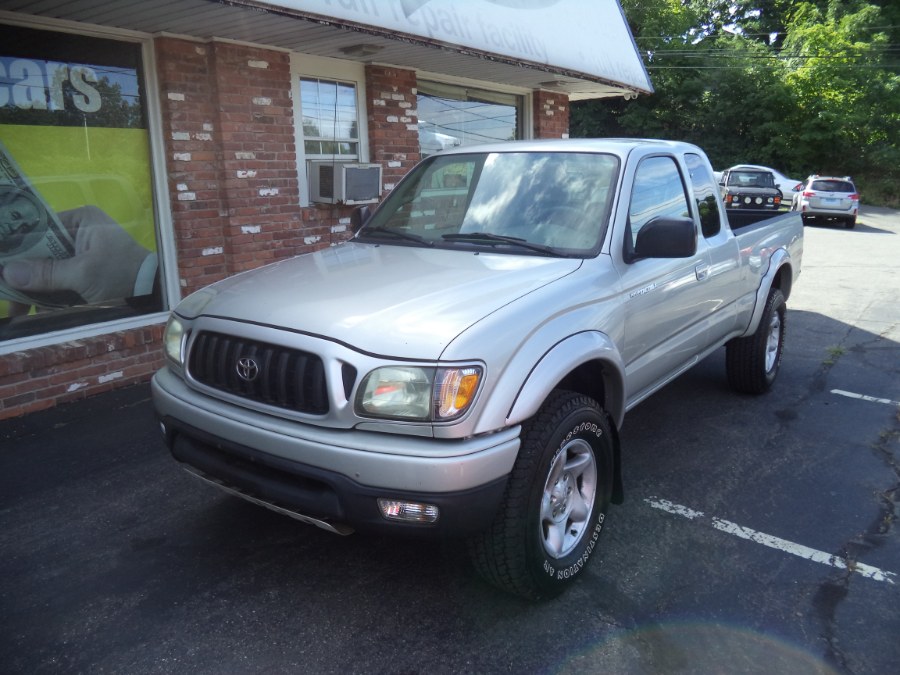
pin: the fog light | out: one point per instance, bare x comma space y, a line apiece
408, 512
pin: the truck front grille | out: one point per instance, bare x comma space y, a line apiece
259, 371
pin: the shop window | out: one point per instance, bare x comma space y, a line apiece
78, 237
452, 115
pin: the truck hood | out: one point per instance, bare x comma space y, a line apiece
385, 300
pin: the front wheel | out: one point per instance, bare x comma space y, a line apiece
555, 503
752, 362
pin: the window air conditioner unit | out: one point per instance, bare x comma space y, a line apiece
344, 182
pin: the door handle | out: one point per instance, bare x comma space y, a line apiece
702, 271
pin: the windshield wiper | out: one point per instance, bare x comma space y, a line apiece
397, 234
488, 238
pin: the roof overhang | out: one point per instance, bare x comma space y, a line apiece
582, 49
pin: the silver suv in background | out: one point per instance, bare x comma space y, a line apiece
828, 198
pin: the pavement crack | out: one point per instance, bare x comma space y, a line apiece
832, 592
888, 442
828, 597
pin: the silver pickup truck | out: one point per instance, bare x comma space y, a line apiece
462, 365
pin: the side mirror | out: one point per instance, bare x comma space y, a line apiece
665, 237
358, 217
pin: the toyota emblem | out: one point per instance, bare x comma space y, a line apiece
247, 369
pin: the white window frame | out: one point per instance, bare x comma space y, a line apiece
304, 65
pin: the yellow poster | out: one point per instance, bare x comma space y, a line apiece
77, 223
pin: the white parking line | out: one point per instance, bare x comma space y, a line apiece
775, 542
863, 397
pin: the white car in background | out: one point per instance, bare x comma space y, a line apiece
788, 186
431, 140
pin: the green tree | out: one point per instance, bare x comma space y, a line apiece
802, 85
707, 75
846, 88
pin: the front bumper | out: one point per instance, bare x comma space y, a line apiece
333, 478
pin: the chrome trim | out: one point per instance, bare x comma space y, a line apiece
336, 528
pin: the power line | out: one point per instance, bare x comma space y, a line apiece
844, 67
725, 33
780, 54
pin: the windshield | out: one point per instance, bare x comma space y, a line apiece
537, 203
751, 179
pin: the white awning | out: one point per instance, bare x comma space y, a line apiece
582, 48
572, 38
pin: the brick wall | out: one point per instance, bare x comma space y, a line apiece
231, 161
551, 115
393, 119
40, 378
193, 160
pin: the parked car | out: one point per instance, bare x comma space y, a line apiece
828, 198
749, 188
788, 186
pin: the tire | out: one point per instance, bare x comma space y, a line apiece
850, 222
752, 362
555, 503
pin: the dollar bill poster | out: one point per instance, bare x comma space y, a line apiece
77, 230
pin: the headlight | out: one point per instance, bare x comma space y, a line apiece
191, 307
418, 393
173, 340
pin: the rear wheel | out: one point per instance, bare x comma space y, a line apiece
752, 362
555, 503
850, 222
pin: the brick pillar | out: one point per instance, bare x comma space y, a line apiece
393, 118
551, 115
193, 160
255, 125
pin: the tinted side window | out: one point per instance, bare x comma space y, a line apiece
705, 189
658, 192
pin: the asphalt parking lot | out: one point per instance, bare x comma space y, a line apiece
759, 534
